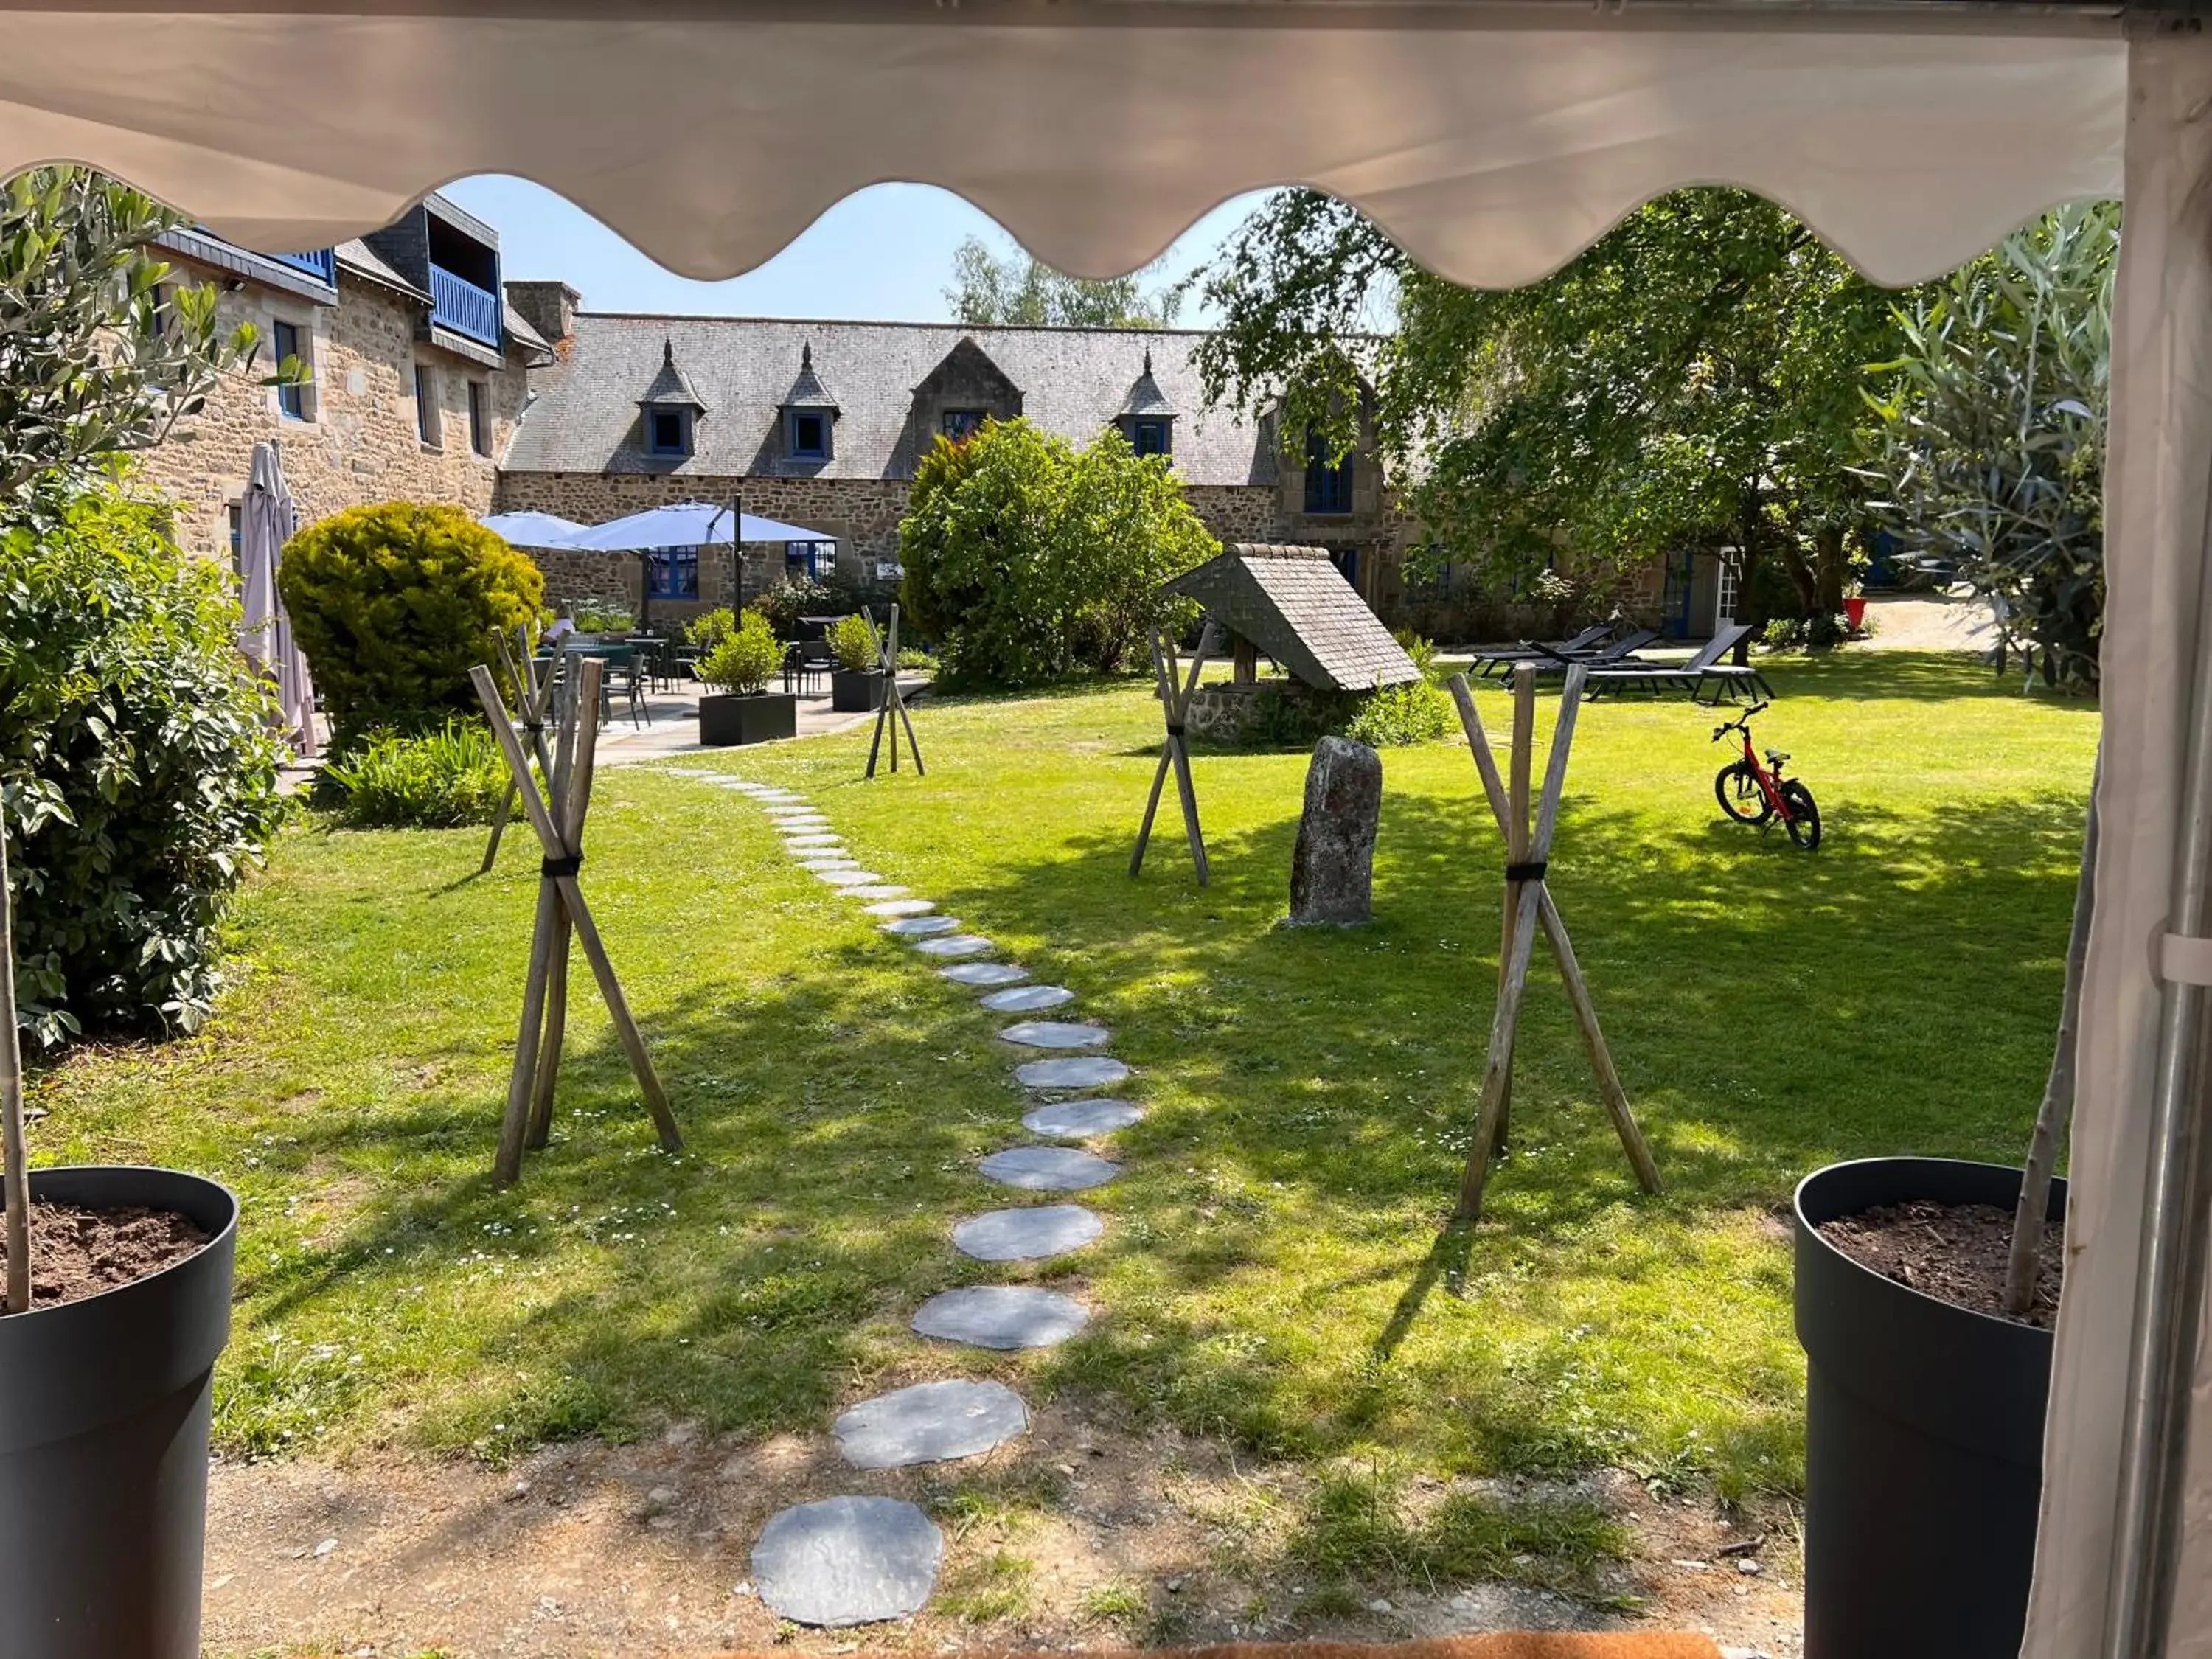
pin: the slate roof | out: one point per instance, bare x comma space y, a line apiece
1295, 606
671, 385
1146, 399
1074, 381
807, 392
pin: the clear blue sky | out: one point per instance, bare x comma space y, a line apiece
885, 253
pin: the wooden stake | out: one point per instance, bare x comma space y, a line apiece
1532, 908
1175, 692
563, 795
891, 712
1516, 849
531, 701
561, 905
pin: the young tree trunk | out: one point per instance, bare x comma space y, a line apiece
18, 1172
1831, 559
2053, 1117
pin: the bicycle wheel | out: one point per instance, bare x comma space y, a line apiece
1804, 816
1737, 790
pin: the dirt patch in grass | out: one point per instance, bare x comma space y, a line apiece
1086, 1531
1954, 1252
78, 1251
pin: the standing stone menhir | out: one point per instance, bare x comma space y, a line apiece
1332, 866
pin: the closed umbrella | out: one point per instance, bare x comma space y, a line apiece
266, 520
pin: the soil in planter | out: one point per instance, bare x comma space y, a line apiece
1954, 1252
77, 1252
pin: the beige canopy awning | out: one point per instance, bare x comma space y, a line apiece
1494, 141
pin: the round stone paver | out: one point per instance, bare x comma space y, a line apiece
955, 944
921, 927
1079, 1120
1027, 1235
1056, 1034
986, 973
900, 907
847, 1561
843, 877
883, 891
1028, 999
1048, 1169
1001, 1316
929, 1423
1075, 1071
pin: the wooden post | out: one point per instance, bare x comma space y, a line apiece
531, 698
1517, 850
1175, 691
891, 712
1530, 909
559, 825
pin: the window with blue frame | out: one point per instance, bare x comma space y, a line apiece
668, 432
672, 572
807, 559
237, 540
292, 396
1328, 487
806, 435
961, 424
1149, 437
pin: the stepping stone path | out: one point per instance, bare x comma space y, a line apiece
1048, 1169
1027, 1235
1056, 1034
1076, 1072
1081, 1120
847, 1561
920, 927
929, 1423
853, 1561
985, 972
1001, 1316
1027, 998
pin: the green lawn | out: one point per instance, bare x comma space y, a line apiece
1274, 1274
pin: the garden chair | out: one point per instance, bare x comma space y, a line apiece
804, 668
1704, 670
1487, 663
1614, 652
624, 677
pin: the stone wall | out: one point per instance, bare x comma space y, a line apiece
358, 442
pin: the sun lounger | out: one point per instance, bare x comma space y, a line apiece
1487, 663
1704, 673
1613, 653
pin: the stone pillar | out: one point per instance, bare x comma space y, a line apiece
1332, 866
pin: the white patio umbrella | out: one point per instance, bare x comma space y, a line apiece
1494, 141
266, 520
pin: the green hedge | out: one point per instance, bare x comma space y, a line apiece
394, 604
137, 764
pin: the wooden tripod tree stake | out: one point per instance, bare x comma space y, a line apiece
1529, 906
892, 710
532, 694
559, 822
1175, 691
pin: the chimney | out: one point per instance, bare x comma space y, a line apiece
549, 307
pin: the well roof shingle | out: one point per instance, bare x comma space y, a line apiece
1295, 605
1074, 382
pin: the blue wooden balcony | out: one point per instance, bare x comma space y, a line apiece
461, 306
322, 264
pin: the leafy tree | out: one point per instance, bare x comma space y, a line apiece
1032, 560
394, 604
1989, 447
1690, 382
1017, 289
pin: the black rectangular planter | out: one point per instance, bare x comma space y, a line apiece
733, 718
856, 690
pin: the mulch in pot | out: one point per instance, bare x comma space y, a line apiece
78, 1252
1954, 1252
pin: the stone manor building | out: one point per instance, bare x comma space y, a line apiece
821, 424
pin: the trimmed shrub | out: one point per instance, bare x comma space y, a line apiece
710, 628
137, 766
439, 781
852, 643
394, 604
743, 661
1030, 561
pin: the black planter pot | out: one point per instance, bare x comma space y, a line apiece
856, 690
1924, 1436
736, 718
104, 1407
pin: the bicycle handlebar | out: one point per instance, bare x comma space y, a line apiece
1719, 732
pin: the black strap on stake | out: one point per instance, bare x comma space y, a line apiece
553, 869
1174, 731
1533, 871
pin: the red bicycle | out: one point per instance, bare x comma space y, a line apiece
1751, 793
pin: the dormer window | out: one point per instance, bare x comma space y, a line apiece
962, 424
1328, 478
1147, 419
668, 432
670, 411
1149, 437
810, 414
